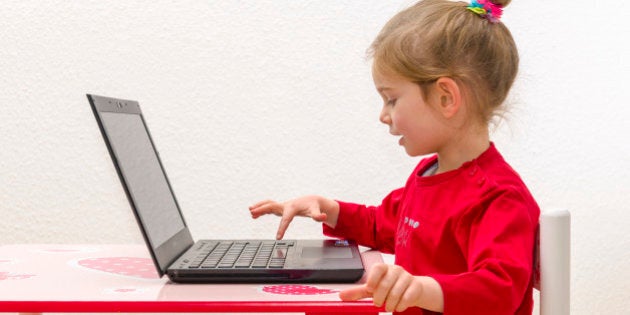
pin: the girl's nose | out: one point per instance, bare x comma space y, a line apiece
384, 116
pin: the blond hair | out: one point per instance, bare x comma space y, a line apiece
441, 38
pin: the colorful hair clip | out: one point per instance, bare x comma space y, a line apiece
486, 9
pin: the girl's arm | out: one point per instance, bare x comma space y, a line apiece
371, 226
498, 240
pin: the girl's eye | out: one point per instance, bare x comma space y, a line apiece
391, 102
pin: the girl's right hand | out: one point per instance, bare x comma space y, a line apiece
317, 208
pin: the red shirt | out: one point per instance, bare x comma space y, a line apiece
471, 229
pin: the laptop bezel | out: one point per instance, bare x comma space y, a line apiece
164, 254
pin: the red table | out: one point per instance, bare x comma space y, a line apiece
122, 278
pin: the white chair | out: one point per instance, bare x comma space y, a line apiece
553, 262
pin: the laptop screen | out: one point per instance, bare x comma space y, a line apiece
146, 182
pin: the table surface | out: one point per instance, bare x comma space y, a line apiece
122, 278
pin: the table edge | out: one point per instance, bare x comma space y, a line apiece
184, 306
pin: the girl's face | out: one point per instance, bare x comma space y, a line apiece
419, 124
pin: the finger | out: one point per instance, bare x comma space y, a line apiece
408, 299
396, 292
284, 225
375, 273
316, 214
375, 283
270, 208
381, 292
260, 203
355, 293
321, 217
260, 211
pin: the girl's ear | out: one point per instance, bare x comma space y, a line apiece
449, 96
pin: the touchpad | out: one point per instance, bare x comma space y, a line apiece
326, 252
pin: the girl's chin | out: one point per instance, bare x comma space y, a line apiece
411, 151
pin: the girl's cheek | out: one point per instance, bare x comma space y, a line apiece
398, 122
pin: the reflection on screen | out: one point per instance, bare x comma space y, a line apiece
144, 176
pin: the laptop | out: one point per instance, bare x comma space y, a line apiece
166, 234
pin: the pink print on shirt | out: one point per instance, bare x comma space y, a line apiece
405, 227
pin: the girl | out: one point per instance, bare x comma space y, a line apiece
463, 227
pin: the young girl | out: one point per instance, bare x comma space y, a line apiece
463, 227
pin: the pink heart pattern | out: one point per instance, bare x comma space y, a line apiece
290, 289
124, 266
61, 250
9, 276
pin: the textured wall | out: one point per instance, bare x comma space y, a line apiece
274, 99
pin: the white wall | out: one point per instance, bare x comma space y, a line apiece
274, 99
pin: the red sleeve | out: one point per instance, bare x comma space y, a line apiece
498, 240
371, 226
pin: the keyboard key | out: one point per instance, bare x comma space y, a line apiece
239, 254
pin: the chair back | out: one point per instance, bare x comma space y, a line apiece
552, 267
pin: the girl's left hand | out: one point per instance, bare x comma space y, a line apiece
388, 285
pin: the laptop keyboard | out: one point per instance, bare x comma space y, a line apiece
241, 254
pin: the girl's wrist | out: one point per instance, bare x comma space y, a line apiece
331, 208
431, 296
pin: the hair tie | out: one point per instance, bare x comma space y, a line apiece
486, 9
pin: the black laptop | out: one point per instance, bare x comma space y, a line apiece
166, 234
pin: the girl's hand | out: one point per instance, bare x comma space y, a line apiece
396, 289
318, 208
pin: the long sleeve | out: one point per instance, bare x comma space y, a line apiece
371, 226
497, 237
